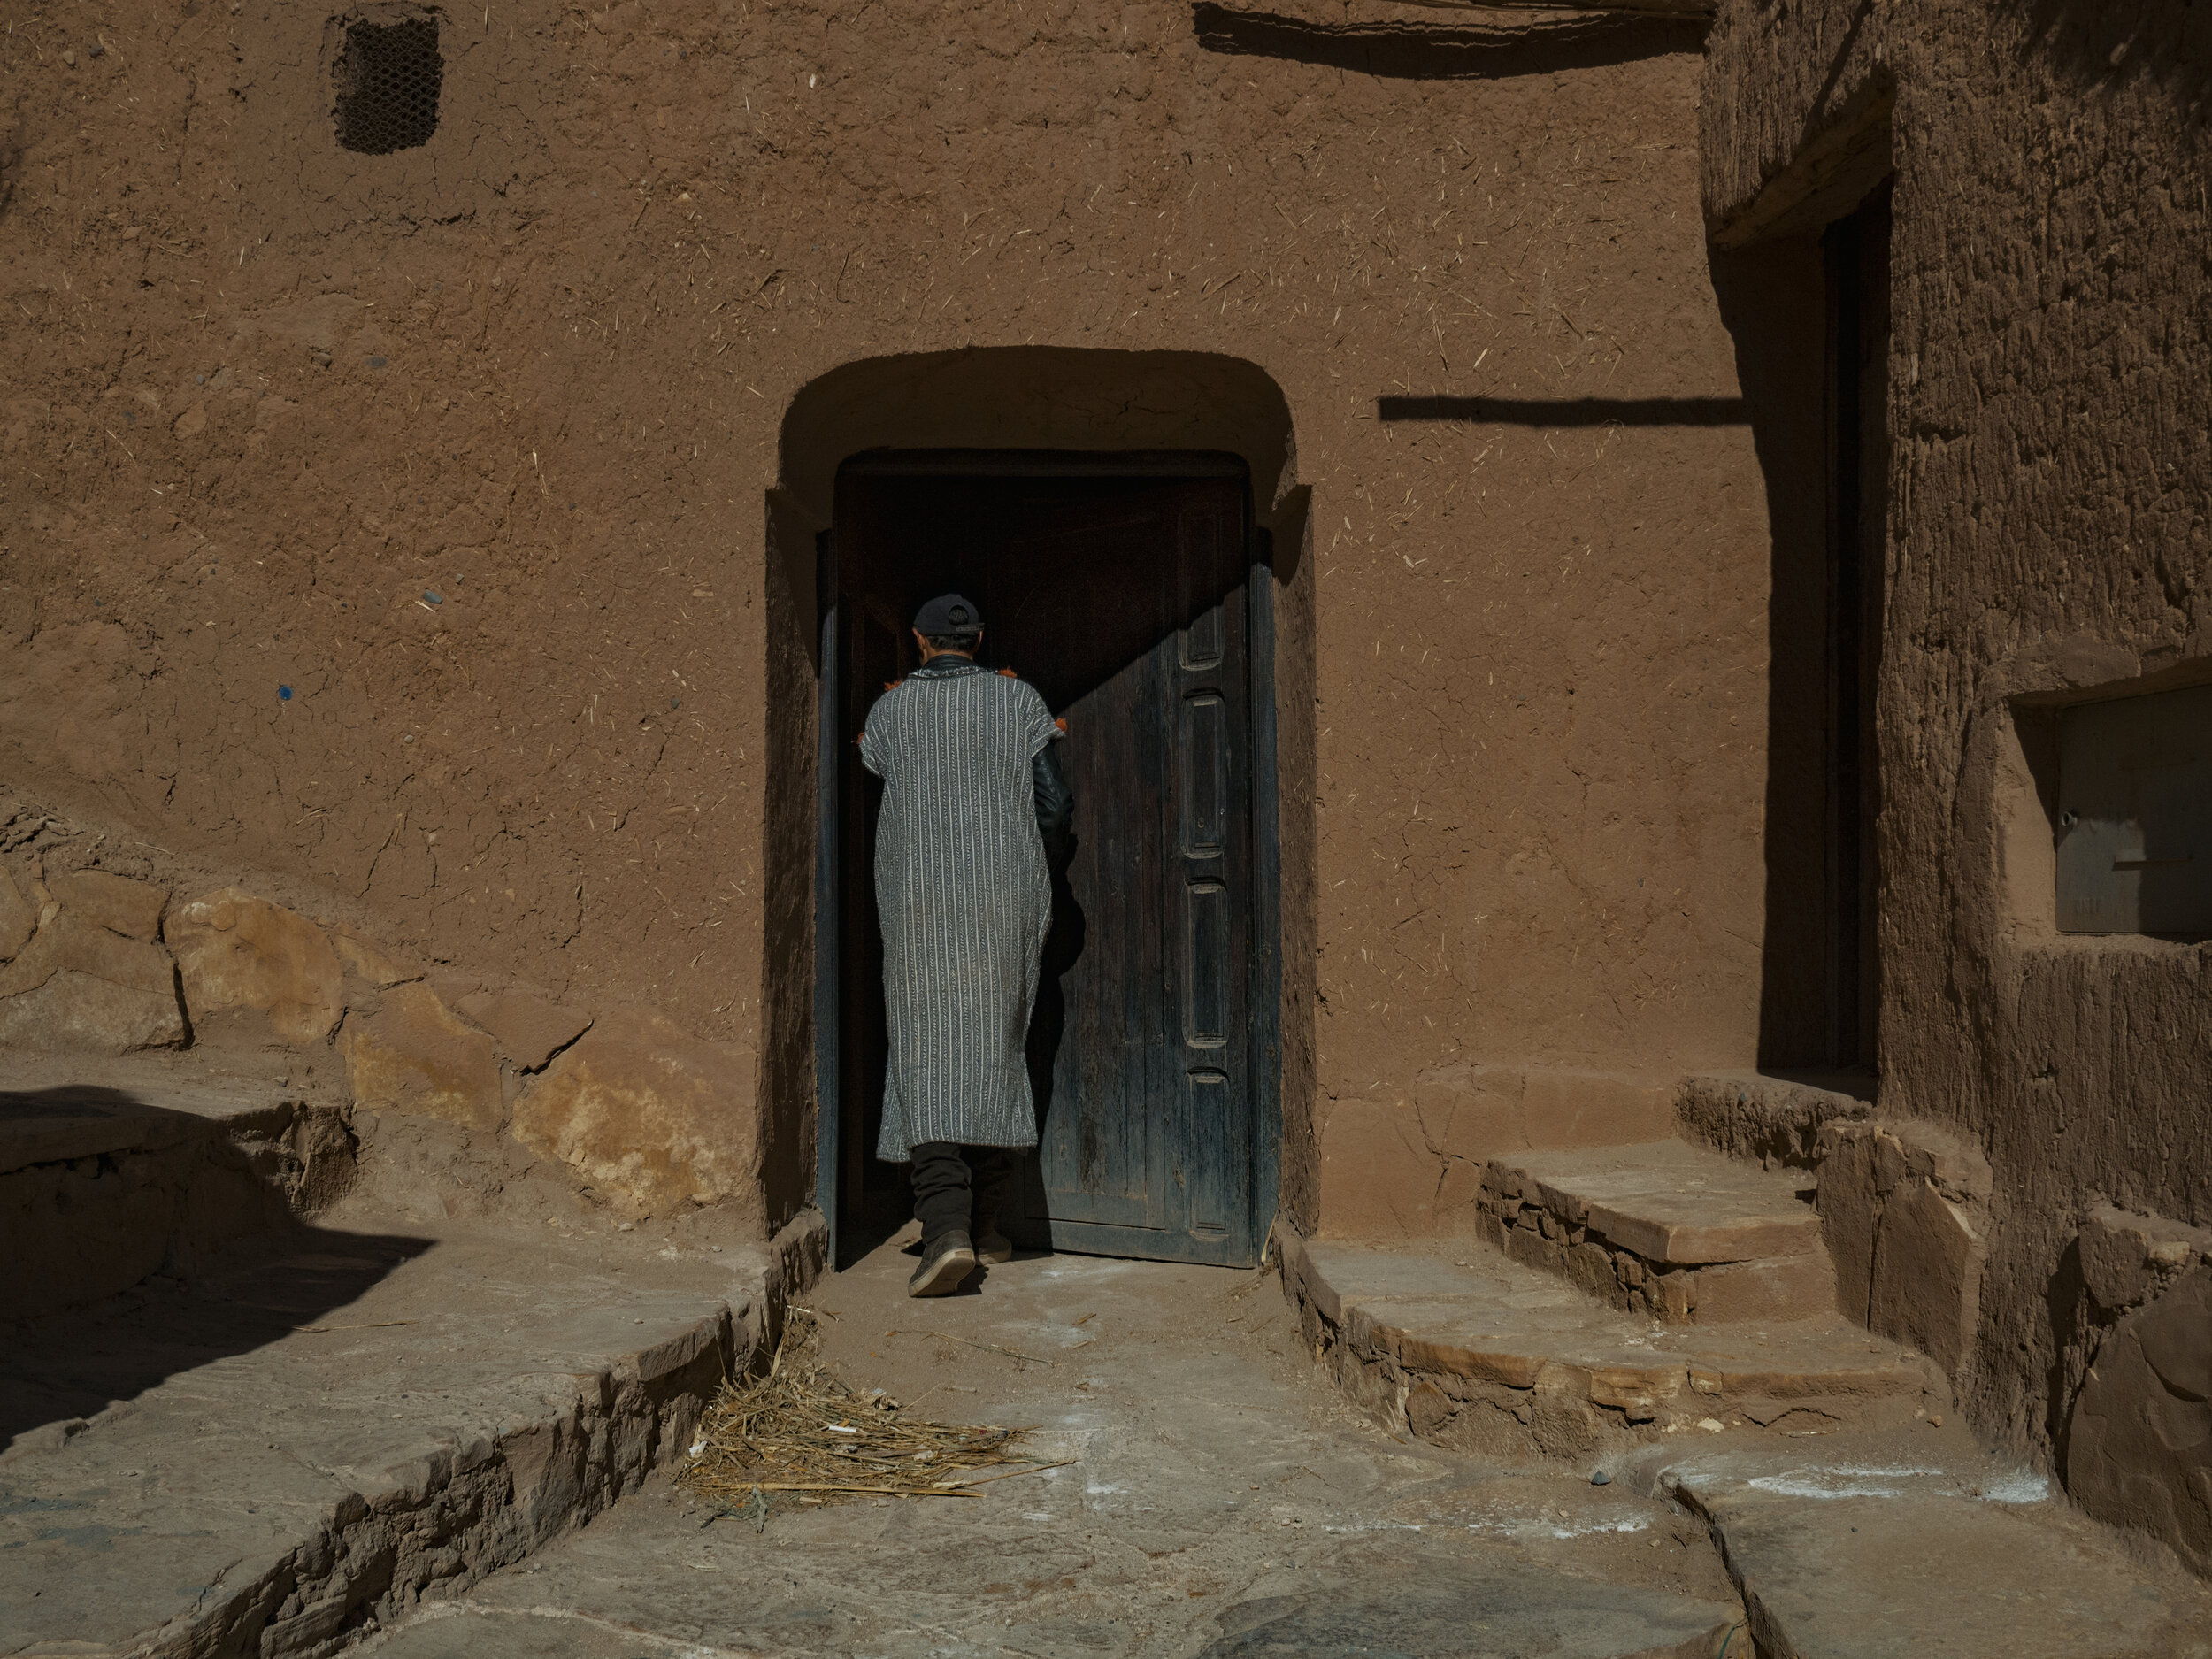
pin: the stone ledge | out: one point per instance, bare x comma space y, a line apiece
61, 1125
1774, 1120
327, 1440
104, 1182
1919, 1542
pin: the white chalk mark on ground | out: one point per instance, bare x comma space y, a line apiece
1847, 1481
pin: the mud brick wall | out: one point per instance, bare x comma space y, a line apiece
392, 535
2047, 537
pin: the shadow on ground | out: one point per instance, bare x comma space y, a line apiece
141, 1241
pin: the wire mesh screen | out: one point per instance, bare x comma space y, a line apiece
388, 77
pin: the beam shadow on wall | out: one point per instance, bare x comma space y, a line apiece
1570, 411
1405, 50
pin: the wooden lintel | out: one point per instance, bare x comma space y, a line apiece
1651, 8
1453, 28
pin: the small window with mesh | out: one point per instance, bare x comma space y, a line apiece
389, 75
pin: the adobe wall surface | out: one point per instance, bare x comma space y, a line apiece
264, 398
2048, 536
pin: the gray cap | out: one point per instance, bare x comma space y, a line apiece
949, 613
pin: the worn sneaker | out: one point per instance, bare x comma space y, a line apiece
991, 1246
945, 1262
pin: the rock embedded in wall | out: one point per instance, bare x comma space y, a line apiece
117, 904
324, 1153
1926, 1287
1903, 1209
646, 1110
363, 956
238, 953
17, 919
410, 1053
2126, 1259
77, 985
2140, 1451
529, 1031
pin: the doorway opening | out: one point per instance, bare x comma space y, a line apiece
1134, 592
1855, 252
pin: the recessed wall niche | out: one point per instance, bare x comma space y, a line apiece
2123, 785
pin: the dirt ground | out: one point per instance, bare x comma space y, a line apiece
1222, 1500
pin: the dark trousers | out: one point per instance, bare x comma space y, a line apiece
960, 1189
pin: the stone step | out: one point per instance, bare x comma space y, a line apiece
275, 1457
110, 1170
1892, 1547
1665, 1228
1492, 1355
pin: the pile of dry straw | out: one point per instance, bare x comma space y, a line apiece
800, 1428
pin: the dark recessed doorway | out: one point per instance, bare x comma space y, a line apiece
1132, 591
1857, 251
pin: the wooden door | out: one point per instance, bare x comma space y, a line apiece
1124, 598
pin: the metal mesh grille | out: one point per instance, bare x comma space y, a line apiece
388, 77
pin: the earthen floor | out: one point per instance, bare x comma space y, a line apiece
1224, 1499
405, 1429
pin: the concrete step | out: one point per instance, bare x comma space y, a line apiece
1883, 1548
1665, 1228
276, 1457
1490, 1354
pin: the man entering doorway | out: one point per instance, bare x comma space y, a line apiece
971, 792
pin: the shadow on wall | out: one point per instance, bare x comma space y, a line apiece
2087, 44
1771, 302
1404, 48
143, 1241
1038, 398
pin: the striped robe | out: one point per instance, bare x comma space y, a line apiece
965, 900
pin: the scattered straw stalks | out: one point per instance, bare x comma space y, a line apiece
802, 1429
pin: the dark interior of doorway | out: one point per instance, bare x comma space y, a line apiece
1074, 563
1855, 253
1809, 309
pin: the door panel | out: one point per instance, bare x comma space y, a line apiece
1214, 1085
1102, 1078
1124, 601
1206, 966
1203, 786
